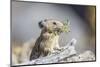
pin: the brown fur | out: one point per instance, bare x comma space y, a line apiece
47, 41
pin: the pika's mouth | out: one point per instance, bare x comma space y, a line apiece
59, 30
55, 31
64, 29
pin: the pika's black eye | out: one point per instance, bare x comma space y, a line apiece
54, 23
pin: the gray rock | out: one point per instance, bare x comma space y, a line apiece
67, 54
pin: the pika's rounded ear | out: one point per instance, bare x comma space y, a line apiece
46, 19
40, 24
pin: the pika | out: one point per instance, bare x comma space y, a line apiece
47, 42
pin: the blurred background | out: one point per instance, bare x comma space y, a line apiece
26, 15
